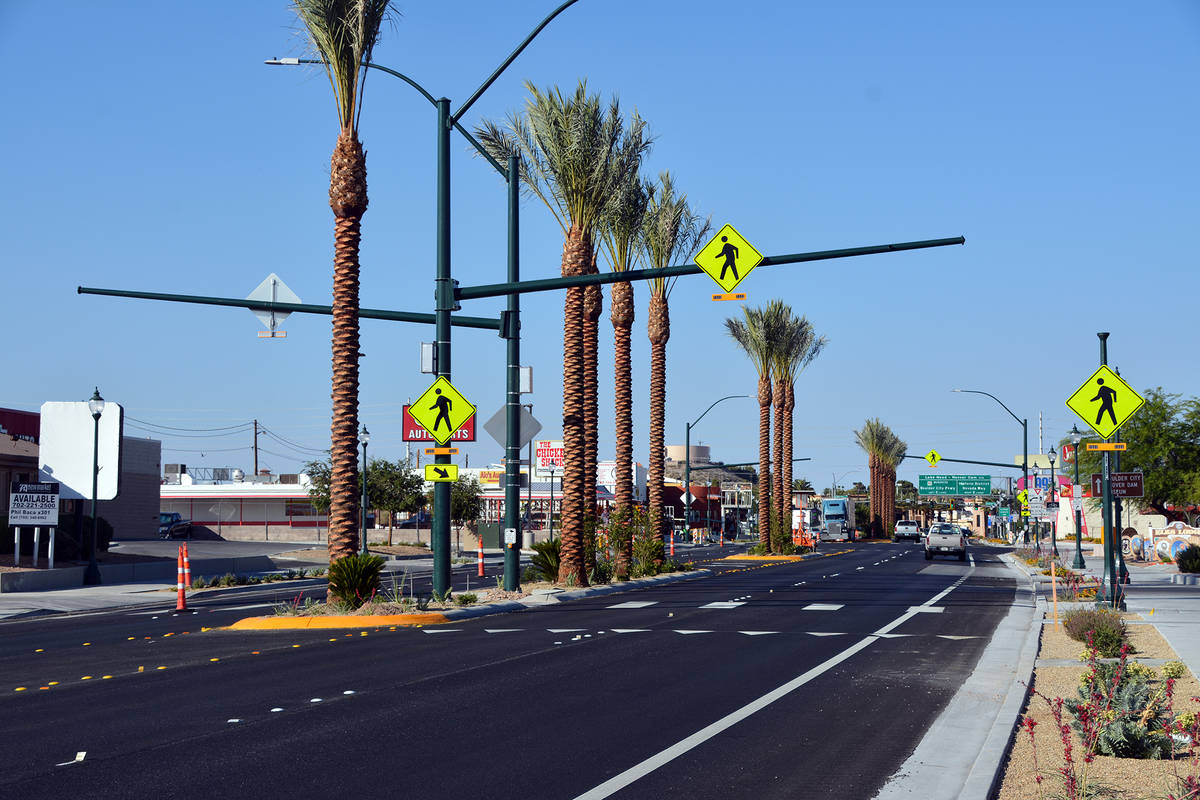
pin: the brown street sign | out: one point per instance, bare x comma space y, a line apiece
1124, 484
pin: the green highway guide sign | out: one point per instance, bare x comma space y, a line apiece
954, 484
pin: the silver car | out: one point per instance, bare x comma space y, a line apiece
907, 529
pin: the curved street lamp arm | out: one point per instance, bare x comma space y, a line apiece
997, 399
484, 87
710, 408
415, 85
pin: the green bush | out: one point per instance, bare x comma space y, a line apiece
465, 599
648, 553
1174, 670
1105, 627
545, 560
354, 580
1189, 559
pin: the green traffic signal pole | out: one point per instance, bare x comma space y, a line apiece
1024, 423
687, 461
1110, 593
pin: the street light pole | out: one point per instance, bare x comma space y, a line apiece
364, 436
1053, 454
550, 514
1110, 593
687, 461
1077, 501
91, 576
1024, 423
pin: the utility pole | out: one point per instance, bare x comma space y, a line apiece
256, 449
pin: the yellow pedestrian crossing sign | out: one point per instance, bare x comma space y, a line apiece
1105, 402
933, 457
441, 473
441, 410
728, 258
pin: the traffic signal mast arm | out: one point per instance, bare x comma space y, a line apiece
551, 284
968, 461
295, 308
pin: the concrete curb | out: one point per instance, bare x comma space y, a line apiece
963, 754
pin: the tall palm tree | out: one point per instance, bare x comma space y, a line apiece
889, 460
671, 231
343, 33
568, 146
756, 333
621, 234
802, 346
884, 450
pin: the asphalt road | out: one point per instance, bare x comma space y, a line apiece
810, 679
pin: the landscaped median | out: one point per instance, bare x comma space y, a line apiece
493, 601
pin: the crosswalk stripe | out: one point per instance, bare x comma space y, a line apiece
824, 633
823, 607
502, 630
757, 633
724, 604
685, 633
565, 630
635, 604
630, 630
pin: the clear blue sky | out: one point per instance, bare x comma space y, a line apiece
147, 147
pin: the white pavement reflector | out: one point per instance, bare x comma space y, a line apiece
635, 604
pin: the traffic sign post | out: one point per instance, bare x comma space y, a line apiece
728, 258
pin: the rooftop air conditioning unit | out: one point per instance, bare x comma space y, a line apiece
173, 469
221, 473
289, 478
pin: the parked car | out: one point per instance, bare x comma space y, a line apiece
172, 524
908, 529
945, 539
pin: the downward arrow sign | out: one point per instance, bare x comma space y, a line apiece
441, 472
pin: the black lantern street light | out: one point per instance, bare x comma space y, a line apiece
1077, 500
364, 436
1053, 454
91, 576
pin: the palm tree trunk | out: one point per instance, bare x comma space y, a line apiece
764, 462
875, 497
348, 199
779, 495
593, 306
622, 320
659, 329
889, 499
789, 405
577, 249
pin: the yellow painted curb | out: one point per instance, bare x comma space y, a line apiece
763, 558
360, 621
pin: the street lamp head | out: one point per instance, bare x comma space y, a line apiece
281, 62
364, 436
96, 404
1053, 455
956, 390
1076, 436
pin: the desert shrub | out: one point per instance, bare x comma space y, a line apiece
1131, 714
545, 560
465, 599
1101, 628
648, 553
354, 580
1188, 559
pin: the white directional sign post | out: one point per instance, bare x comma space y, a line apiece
273, 290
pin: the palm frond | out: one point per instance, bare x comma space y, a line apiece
671, 231
343, 34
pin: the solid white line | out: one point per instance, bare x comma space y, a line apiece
619, 782
634, 773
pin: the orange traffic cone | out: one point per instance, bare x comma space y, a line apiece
181, 596
481, 556
187, 568
672, 543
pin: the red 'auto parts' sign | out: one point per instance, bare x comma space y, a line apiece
1124, 484
415, 432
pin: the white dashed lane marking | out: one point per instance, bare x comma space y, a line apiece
635, 604
724, 604
823, 607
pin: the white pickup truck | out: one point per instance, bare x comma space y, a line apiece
942, 538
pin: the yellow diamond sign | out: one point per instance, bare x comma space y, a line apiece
728, 258
1105, 402
933, 457
441, 473
441, 410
